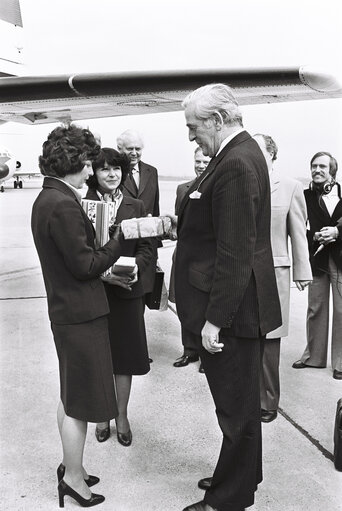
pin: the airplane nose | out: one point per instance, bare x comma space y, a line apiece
4, 170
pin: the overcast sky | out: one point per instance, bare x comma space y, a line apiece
71, 36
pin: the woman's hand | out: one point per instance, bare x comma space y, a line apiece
115, 232
124, 281
134, 275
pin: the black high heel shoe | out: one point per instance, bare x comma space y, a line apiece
91, 481
125, 438
102, 434
65, 489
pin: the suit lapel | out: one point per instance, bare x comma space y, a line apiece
241, 137
126, 210
274, 181
144, 177
130, 185
337, 213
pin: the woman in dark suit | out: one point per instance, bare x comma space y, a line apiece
126, 319
77, 302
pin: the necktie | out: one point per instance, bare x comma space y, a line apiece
136, 177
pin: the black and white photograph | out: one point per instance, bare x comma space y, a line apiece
170, 209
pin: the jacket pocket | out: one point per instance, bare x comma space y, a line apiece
200, 280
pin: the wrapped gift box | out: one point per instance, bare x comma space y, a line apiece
101, 215
124, 265
146, 227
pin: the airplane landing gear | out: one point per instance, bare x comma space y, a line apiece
18, 183
2, 189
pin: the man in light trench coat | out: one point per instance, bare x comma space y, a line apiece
288, 219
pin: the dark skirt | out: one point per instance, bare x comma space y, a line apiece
127, 335
85, 369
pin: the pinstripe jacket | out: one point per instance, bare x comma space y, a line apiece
224, 266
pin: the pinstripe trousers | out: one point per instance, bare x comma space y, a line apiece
233, 378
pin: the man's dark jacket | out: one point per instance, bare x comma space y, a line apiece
319, 217
224, 265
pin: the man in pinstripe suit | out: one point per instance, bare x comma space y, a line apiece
225, 286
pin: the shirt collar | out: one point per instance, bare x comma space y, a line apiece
115, 196
72, 188
228, 139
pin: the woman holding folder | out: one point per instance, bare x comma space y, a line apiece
125, 292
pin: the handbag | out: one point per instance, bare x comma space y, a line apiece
153, 298
338, 437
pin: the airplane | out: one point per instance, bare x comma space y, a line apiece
64, 98
10, 167
37, 100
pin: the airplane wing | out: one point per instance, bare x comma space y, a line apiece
45, 99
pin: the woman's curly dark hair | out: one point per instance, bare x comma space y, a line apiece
112, 158
66, 149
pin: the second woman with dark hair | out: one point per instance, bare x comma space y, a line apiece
126, 319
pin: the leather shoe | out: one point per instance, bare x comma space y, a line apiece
91, 481
299, 365
198, 506
268, 415
337, 374
125, 438
102, 434
205, 483
185, 360
201, 369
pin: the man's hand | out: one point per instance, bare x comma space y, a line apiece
301, 284
326, 235
210, 338
174, 222
124, 281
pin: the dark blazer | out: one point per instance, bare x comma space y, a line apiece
141, 249
148, 188
149, 193
224, 265
64, 238
181, 192
319, 217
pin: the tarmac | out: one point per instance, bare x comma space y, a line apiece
176, 438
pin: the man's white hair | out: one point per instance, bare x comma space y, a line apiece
127, 135
215, 99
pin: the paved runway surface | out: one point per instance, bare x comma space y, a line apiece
175, 435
